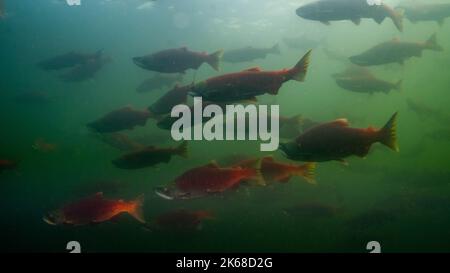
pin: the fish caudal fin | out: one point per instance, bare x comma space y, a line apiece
182, 149
137, 209
214, 59
298, 73
388, 134
307, 172
432, 44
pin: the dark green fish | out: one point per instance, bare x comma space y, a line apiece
149, 157
361, 80
248, 54
394, 51
120, 141
426, 112
120, 119
86, 70
67, 60
353, 10
164, 105
427, 12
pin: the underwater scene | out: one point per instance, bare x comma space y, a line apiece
118, 121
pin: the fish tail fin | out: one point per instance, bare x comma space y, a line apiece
276, 49
205, 214
136, 211
214, 59
298, 72
307, 172
432, 43
255, 173
182, 149
399, 85
397, 17
388, 134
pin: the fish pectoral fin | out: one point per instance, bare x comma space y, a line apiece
327, 23
356, 21
379, 20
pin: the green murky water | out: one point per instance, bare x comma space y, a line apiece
399, 199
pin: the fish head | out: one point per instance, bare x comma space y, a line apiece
358, 60
308, 11
54, 218
172, 193
287, 148
144, 63
293, 151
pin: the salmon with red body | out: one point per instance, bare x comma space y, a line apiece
209, 179
275, 171
95, 209
247, 84
178, 60
336, 140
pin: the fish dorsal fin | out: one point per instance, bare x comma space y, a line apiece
396, 40
184, 48
212, 164
342, 122
254, 69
